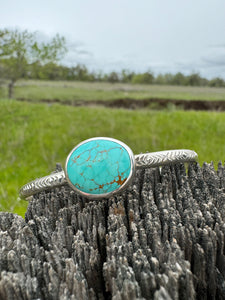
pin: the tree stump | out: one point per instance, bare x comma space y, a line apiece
163, 238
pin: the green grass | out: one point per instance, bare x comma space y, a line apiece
36, 136
64, 90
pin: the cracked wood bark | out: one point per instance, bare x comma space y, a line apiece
161, 239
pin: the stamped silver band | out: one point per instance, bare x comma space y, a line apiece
144, 160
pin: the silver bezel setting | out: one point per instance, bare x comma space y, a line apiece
105, 195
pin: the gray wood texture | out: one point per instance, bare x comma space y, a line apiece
161, 239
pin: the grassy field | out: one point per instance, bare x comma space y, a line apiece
36, 136
62, 90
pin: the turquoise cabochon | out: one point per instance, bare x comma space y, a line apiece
99, 166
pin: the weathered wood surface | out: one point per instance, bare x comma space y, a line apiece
162, 239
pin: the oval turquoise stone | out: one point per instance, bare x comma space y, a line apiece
98, 166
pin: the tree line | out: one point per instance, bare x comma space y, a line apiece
23, 56
80, 72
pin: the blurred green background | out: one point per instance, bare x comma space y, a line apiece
36, 136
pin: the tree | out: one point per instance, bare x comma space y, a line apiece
80, 72
113, 77
145, 78
217, 82
126, 76
194, 80
20, 52
178, 79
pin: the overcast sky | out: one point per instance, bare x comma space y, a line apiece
160, 35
